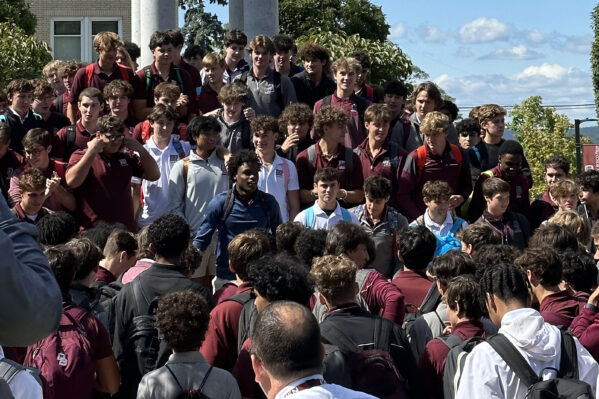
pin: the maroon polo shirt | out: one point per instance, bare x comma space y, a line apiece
436, 167
541, 209
155, 79
55, 122
356, 133
105, 194
52, 201
20, 213
305, 172
585, 327
519, 198
65, 103
208, 100
220, 346
10, 163
559, 308
59, 142
381, 164
99, 79
413, 285
431, 365
104, 275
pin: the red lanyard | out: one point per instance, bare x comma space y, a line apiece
505, 233
314, 382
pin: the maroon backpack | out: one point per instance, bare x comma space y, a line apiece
65, 358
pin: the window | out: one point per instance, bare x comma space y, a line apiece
72, 38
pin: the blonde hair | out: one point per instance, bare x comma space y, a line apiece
377, 113
334, 276
434, 122
575, 223
563, 188
128, 60
106, 41
53, 67
212, 59
347, 63
261, 41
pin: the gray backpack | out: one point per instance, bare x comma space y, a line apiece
8, 371
455, 361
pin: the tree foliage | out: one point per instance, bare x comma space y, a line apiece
201, 27
303, 17
542, 133
17, 12
595, 55
387, 59
23, 56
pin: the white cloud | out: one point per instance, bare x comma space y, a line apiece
543, 71
483, 30
573, 44
431, 34
534, 36
515, 53
397, 32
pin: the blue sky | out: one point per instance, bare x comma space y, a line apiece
500, 52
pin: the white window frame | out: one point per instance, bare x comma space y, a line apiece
87, 49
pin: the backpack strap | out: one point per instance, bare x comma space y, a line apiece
407, 128
228, 205
420, 160
349, 166
148, 73
309, 213
451, 340
278, 87
70, 141
312, 158
341, 340
381, 337
514, 359
185, 171
568, 365
430, 301
179, 79
242, 298
369, 93
205, 378
59, 104
89, 73
327, 100
9, 369
456, 225
286, 173
393, 155
175, 377
124, 72
179, 148
457, 153
345, 215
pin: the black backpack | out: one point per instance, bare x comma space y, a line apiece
565, 385
372, 371
429, 304
190, 393
455, 361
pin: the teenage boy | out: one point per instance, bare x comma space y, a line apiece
382, 222
51, 72
43, 95
19, 117
395, 93
360, 87
235, 42
312, 83
118, 94
32, 187
378, 155
102, 72
565, 194
101, 175
214, 68
438, 218
589, 196
168, 239
474, 236
295, 123
416, 247
195, 180
234, 118
67, 73
469, 135
543, 267
345, 71
220, 346
512, 226
557, 168
437, 159
282, 55
330, 124
178, 41
164, 70
509, 169
269, 91
237, 210
326, 211
10, 160
166, 150
486, 373
278, 175
120, 254
346, 321
193, 55
75, 137
38, 145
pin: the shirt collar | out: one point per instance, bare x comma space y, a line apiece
295, 383
318, 210
186, 357
428, 221
19, 116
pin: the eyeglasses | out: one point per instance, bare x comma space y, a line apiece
114, 137
33, 152
467, 134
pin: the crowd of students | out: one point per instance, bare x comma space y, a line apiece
193, 208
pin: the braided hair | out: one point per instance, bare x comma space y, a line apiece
507, 282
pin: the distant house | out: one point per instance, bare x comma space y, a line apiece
69, 26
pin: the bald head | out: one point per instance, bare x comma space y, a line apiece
286, 339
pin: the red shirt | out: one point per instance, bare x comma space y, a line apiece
105, 194
356, 133
225, 292
383, 298
59, 142
585, 327
559, 308
99, 79
104, 275
220, 346
208, 100
413, 285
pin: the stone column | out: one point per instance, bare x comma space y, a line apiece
236, 14
135, 22
155, 15
260, 17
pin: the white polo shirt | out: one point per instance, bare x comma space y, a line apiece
441, 230
156, 192
272, 181
322, 221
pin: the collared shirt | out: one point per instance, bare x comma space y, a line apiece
443, 229
322, 221
264, 97
180, 78
156, 201
22, 119
99, 79
324, 391
273, 181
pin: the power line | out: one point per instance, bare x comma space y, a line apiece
561, 106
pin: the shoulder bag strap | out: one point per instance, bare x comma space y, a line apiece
514, 359
568, 365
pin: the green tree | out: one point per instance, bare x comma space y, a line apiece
542, 133
17, 12
23, 56
387, 59
595, 55
201, 27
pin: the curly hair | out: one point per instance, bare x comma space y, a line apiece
286, 236
434, 122
57, 228
465, 292
416, 246
451, 109
309, 245
295, 113
490, 254
182, 318
53, 67
70, 68
436, 190
345, 236
238, 159
553, 236
452, 264
191, 259
247, 247
334, 276
315, 50
143, 243
377, 187
488, 112
114, 87
63, 264
32, 179
41, 88
347, 64
544, 262
87, 255
264, 123
168, 90
558, 162
281, 279
468, 125
506, 281
109, 124
169, 234
579, 270
328, 115
234, 92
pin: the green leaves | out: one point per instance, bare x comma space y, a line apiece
17, 12
22, 55
595, 55
202, 28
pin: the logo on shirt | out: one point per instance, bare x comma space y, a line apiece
341, 165
123, 162
279, 172
387, 163
269, 88
173, 158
